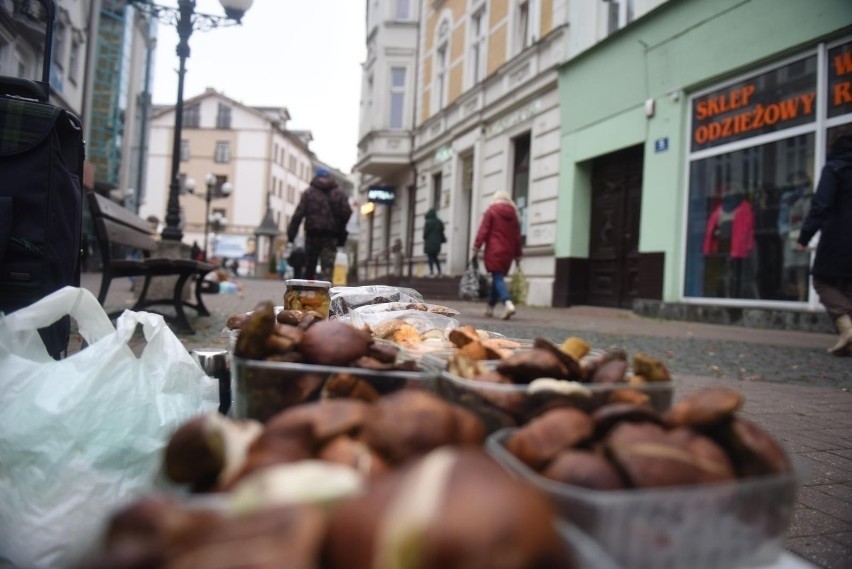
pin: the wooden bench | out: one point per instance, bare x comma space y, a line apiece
116, 225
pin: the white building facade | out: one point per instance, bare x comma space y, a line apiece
249, 147
460, 100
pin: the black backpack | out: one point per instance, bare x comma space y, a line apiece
41, 198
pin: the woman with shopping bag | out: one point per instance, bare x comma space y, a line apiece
500, 235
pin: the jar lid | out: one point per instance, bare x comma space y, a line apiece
307, 283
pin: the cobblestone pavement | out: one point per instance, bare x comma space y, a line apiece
792, 387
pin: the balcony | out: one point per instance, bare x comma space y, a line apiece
383, 153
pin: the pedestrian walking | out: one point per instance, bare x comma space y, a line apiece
831, 215
500, 234
326, 210
195, 252
433, 238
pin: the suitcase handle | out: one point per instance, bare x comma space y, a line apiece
50, 16
31, 88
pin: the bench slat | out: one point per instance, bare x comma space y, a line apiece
106, 208
123, 235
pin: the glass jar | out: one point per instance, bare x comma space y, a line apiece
302, 294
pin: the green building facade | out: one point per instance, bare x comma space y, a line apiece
691, 141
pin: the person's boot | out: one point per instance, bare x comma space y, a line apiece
510, 309
489, 311
844, 327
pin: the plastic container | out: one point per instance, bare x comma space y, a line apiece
302, 294
503, 405
346, 298
261, 388
737, 524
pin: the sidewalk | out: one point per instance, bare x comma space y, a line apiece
792, 387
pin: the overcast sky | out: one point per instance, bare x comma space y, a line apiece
305, 55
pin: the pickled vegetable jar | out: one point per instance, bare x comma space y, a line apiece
302, 294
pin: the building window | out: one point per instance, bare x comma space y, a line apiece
4, 50
522, 25
478, 34
619, 13
184, 150
521, 180
747, 200
440, 76
192, 116
59, 32
223, 117
397, 98
223, 152
74, 61
403, 10
437, 183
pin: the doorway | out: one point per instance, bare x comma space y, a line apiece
461, 239
614, 228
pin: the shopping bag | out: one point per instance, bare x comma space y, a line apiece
519, 286
469, 283
83, 436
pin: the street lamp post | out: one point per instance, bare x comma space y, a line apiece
218, 222
213, 192
186, 20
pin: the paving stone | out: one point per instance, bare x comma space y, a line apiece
822, 551
814, 497
809, 522
839, 491
843, 538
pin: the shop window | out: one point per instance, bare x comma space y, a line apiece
747, 200
521, 180
746, 208
840, 80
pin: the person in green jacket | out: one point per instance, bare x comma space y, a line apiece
433, 238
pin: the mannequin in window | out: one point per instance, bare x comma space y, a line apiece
730, 233
793, 208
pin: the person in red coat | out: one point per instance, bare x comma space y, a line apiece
500, 234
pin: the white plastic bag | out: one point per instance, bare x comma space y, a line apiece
82, 436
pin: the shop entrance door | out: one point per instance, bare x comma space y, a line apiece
614, 237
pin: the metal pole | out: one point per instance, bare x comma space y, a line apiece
207, 218
172, 231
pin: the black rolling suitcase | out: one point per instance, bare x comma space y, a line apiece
41, 195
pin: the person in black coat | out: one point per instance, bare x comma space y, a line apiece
831, 215
433, 238
297, 259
